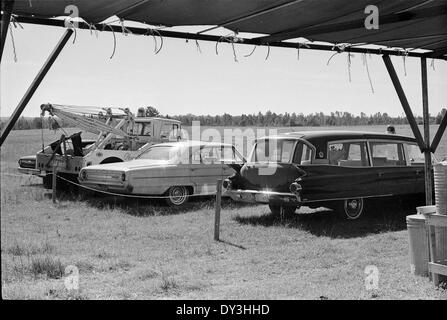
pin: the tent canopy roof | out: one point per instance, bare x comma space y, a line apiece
408, 25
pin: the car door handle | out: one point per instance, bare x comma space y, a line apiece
418, 172
380, 174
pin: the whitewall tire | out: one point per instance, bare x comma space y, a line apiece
353, 209
177, 196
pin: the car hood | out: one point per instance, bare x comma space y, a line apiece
130, 165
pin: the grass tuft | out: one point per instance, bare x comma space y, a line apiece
120, 265
17, 250
167, 283
21, 249
47, 265
64, 294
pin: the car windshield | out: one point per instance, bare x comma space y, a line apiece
160, 153
273, 150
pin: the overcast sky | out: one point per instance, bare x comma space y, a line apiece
181, 80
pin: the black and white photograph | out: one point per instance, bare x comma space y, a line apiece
223, 155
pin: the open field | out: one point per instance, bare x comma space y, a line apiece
143, 250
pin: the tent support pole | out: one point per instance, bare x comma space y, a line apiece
427, 151
6, 18
439, 133
403, 100
36, 82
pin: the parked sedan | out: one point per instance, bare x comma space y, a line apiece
175, 170
334, 169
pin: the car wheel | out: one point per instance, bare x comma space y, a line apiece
353, 208
177, 196
286, 210
48, 181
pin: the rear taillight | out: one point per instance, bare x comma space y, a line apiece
226, 184
295, 188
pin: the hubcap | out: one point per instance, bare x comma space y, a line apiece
353, 204
353, 208
178, 195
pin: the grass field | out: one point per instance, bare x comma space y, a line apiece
144, 250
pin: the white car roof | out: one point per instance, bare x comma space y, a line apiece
193, 143
149, 119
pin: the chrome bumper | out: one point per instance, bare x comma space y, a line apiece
35, 172
101, 186
261, 196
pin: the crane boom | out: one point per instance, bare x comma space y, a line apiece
90, 123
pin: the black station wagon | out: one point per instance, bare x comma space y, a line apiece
333, 169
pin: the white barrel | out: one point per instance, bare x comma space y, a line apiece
426, 209
440, 175
418, 241
441, 243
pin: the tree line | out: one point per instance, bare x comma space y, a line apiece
26, 123
272, 119
268, 119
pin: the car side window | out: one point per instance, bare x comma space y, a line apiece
287, 151
169, 131
229, 155
210, 155
414, 154
196, 155
147, 129
348, 154
306, 156
303, 154
386, 154
143, 129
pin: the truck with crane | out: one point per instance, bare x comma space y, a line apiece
120, 136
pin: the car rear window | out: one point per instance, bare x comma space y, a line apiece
159, 153
274, 150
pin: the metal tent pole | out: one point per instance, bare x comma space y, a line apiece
36, 82
403, 100
7, 7
427, 151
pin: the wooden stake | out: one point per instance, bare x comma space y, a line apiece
54, 184
217, 212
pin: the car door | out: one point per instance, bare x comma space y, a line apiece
395, 176
347, 173
416, 161
206, 168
